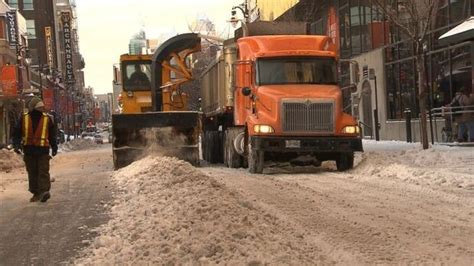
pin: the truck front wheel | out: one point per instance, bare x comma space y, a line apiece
255, 160
231, 158
345, 161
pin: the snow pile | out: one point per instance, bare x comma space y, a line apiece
439, 165
168, 212
9, 160
78, 144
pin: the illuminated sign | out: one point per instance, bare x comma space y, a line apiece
49, 46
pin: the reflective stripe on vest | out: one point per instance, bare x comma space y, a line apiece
41, 134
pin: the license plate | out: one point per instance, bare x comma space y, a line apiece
292, 143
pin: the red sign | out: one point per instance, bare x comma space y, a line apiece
97, 114
48, 99
8, 81
380, 33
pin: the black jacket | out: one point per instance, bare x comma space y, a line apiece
35, 150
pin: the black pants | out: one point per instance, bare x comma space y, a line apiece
37, 167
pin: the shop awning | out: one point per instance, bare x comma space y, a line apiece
460, 33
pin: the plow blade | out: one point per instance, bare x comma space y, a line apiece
164, 133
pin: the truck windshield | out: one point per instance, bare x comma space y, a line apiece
296, 70
136, 75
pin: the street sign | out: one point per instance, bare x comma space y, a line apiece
69, 73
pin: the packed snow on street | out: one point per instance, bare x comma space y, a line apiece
399, 205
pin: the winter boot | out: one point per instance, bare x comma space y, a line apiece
45, 196
35, 198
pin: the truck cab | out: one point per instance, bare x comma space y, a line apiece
287, 100
136, 83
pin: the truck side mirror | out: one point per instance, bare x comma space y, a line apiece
246, 91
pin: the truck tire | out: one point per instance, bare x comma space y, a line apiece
214, 149
231, 157
345, 161
256, 160
220, 146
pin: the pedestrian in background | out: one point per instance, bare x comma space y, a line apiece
466, 120
35, 135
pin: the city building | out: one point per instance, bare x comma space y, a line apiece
56, 70
369, 44
103, 103
139, 44
14, 78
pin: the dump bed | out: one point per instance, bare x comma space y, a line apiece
217, 84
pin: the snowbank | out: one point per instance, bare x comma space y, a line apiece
9, 160
78, 144
439, 165
168, 212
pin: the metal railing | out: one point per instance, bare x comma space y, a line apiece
449, 114
362, 131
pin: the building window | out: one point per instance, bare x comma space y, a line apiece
459, 10
355, 29
30, 29
402, 92
28, 5
13, 3
344, 28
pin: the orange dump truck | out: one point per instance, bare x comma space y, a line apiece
276, 98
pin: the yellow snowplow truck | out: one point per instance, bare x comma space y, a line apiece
154, 109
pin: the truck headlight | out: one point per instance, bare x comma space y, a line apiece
263, 129
351, 130
130, 94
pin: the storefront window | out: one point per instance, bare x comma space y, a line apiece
408, 90
401, 89
440, 79
461, 68
393, 95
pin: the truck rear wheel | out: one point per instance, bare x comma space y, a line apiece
256, 160
212, 149
231, 158
345, 161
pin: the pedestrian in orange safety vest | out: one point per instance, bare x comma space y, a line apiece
35, 135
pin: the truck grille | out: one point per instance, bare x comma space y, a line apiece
308, 116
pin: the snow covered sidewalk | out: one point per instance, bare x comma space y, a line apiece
439, 166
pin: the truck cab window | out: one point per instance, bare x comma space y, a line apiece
137, 75
296, 70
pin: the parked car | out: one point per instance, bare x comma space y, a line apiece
88, 135
61, 136
98, 139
